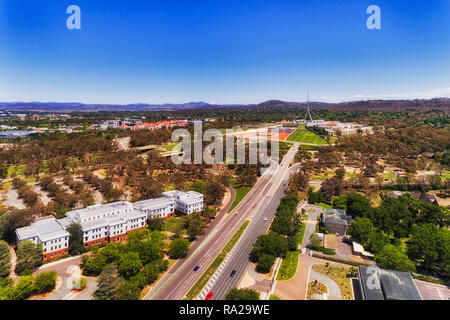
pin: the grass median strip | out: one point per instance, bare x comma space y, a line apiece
241, 192
198, 286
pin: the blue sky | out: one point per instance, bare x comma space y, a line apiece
223, 51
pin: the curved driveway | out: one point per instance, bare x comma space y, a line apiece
333, 289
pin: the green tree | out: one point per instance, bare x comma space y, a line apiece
361, 229
242, 294
129, 264
5, 259
265, 263
392, 257
109, 283
29, 256
156, 224
45, 282
178, 248
24, 288
76, 244
314, 241
129, 290
430, 246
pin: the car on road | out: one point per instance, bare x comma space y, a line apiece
233, 273
236, 213
265, 218
196, 268
209, 296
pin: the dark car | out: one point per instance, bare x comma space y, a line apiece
233, 273
209, 296
196, 268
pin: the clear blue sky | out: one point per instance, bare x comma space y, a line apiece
222, 51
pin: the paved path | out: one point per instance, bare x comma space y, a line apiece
63, 292
312, 211
334, 292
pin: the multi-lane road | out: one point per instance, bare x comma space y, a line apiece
180, 278
261, 218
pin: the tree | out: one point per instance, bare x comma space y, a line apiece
109, 283
392, 257
361, 229
76, 244
129, 290
272, 244
45, 282
129, 264
29, 256
178, 248
430, 246
156, 224
265, 263
242, 294
5, 259
24, 288
94, 266
314, 241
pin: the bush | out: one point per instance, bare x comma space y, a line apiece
45, 282
242, 294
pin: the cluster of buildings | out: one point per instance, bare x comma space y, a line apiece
138, 124
110, 222
335, 128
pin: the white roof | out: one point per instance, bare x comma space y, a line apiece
47, 228
152, 204
186, 197
99, 209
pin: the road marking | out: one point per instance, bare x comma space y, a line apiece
69, 296
214, 231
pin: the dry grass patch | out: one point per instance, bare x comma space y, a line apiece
316, 287
339, 275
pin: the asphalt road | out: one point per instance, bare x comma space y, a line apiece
181, 277
239, 259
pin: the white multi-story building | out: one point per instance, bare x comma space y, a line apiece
107, 222
49, 232
186, 202
163, 207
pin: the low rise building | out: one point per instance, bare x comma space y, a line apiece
50, 233
108, 222
163, 207
336, 221
186, 202
382, 284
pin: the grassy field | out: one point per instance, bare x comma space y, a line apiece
306, 136
241, 192
388, 174
198, 286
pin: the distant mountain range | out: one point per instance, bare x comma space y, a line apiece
380, 105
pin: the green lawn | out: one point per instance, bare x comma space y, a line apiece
241, 192
306, 136
323, 205
198, 286
288, 266
388, 174
18, 170
273, 297
446, 175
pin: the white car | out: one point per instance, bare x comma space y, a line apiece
265, 218
237, 212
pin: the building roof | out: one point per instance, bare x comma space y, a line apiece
186, 197
392, 285
45, 229
152, 204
